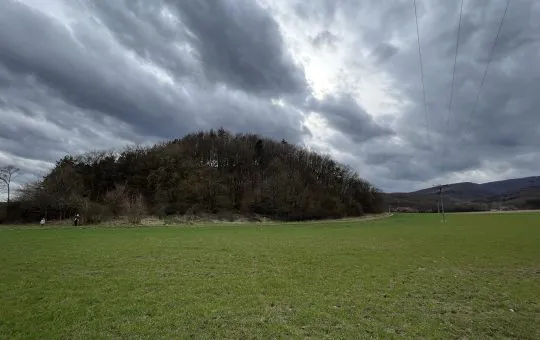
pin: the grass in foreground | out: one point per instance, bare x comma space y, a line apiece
476, 276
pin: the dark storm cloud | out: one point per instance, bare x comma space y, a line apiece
345, 115
240, 44
91, 77
37, 124
13, 137
143, 27
126, 72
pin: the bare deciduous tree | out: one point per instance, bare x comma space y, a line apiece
7, 175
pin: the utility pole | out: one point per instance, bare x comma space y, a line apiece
441, 199
437, 200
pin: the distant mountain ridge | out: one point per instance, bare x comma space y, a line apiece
518, 193
469, 190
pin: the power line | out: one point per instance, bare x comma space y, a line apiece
454, 71
446, 129
422, 73
488, 63
440, 204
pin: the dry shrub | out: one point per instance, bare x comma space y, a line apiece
121, 203
135, 208
115, 200
94, 213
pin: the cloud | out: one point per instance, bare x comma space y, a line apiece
324, 38
384, 51
345, 115
339, 76
98, 75
240, 44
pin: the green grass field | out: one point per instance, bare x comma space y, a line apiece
477, 276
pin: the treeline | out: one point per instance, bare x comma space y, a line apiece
212, 172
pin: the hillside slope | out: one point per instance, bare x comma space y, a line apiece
518, 193
511, 185
461, 191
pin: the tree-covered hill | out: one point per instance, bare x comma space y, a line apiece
207, 172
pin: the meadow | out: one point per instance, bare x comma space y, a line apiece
476, 276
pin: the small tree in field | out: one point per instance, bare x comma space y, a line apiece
7, 174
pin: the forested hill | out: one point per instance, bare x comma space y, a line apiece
211, 172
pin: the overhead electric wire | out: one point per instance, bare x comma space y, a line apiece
473, 112
422, 74
454, 69
454, 72
490, 58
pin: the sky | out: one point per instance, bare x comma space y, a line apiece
340, 77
